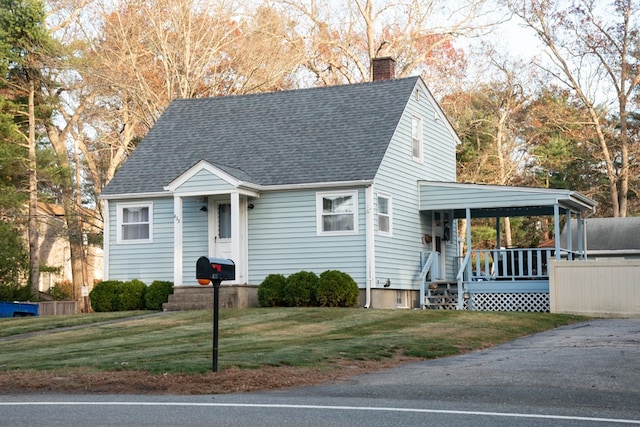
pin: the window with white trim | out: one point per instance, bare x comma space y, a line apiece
384, 214
337, 212
135, 222
416, 138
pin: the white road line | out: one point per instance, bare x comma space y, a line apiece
329, 407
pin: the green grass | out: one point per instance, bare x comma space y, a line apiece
24, 325
250, 338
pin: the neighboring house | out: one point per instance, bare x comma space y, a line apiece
54, 249
610, 238
53, 246
338, 177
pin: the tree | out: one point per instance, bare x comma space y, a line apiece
149, 53
344, 37
486, 119
265, 55
561, 147
25, 43
13, 263
592, 49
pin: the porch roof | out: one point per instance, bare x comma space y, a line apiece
490, 201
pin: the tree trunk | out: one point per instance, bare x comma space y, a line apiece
72, 212
502, 171
74, 229
34, 246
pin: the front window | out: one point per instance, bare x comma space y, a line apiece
134, 223
416, 138
337, 212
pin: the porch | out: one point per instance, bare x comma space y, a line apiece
499, 278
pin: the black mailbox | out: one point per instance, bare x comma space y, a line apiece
208, 269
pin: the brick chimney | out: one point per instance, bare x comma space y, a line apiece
383, 68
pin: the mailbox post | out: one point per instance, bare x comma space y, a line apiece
214, 271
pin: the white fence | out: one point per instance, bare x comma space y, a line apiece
609, 288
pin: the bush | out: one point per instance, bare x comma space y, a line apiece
16, 293
300, 289
132, 295
62, 290
14, 263
337, 289
105, 296
157, 294
271, 291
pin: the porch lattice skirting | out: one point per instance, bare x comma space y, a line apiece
531, 302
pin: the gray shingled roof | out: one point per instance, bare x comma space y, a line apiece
608, 234
329, 134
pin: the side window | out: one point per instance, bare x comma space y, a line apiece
384, 214
134, 222
337, 213
416, 138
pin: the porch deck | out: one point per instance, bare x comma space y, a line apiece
513, 279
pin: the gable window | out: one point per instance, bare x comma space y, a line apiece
384, 214
337, 213
134, 222
416, 138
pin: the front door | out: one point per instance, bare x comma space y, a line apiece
220, 238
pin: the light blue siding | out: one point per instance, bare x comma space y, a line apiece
204, 182
283, 238
154, 261
144, 261
398, 256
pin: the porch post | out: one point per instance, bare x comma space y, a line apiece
498, 229
580, 221
556, 229
462, 288
468, 217
235, 227
569, 237
177, 240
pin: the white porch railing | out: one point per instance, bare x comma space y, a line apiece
430, 264
489, 273
510, 264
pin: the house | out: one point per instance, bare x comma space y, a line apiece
358, 178
54, 249
609, 238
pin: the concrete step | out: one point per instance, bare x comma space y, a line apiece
201, 297
189, 298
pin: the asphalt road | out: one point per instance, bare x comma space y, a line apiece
582, 374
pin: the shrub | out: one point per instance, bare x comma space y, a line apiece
157, 294
105, 296
16, 293
14, 263
62, 290
132, 295
337, 289
271, 291
300, 289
